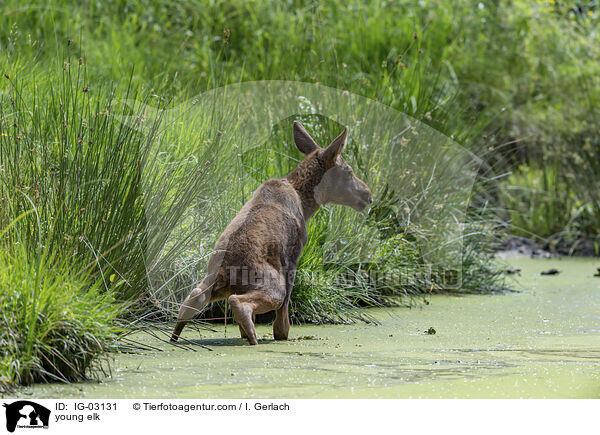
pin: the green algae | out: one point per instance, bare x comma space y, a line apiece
543, 341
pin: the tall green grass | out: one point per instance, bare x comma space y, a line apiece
557, 209
515, 77
62, 145
394, 53
538, 201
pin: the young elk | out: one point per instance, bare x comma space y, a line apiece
254, 264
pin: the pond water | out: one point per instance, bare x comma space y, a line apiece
543, 341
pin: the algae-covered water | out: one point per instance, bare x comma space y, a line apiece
541, 342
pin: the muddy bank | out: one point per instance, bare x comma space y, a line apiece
554, 247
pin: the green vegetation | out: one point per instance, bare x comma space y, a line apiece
539, 201
54, 322
517, 83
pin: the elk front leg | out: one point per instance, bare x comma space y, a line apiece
281, 326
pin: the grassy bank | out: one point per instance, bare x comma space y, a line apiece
55, 323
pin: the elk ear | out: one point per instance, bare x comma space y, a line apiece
335, 148
304, 142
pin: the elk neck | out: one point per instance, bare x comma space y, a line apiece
304, 178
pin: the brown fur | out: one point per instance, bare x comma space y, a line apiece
254, 263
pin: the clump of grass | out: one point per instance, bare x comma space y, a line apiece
55, 325
583, 176
556, 204
538, 201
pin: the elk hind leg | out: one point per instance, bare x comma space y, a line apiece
193, 304
242, 333
244, 307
